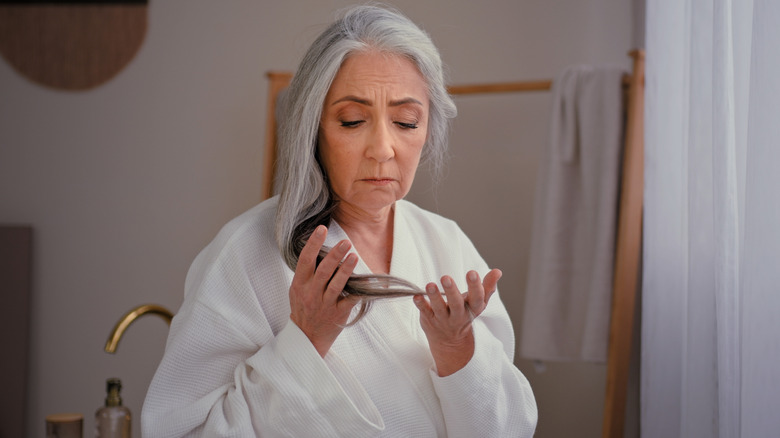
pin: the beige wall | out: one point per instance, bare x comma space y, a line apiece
125, 183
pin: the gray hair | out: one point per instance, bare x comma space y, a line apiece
305, 198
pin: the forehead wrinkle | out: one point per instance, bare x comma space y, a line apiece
351, 98
368, 102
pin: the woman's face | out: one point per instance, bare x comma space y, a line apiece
373, 127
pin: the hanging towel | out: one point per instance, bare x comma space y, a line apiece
569, 288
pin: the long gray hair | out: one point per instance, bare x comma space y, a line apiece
306, 200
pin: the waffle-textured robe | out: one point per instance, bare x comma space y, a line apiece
236, 365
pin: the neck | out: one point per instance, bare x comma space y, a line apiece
350, 218
371, 234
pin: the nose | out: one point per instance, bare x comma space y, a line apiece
380, 145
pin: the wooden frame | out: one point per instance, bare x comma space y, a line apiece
629, 233
628, 250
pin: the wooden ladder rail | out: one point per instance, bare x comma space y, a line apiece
628, 249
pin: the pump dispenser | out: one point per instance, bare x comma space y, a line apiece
113, 419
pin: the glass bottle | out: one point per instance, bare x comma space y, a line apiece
113, 419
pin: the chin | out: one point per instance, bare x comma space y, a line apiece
377, 201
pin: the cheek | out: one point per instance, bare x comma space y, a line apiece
415, 149
337, 158
409, 161
328, 149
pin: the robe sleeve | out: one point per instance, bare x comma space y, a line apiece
227, 373
489, 396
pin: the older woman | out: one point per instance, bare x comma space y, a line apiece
273, 337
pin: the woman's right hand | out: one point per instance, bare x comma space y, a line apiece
316, 304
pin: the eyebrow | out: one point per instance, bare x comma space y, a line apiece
367, 102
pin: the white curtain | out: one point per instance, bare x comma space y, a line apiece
711, 277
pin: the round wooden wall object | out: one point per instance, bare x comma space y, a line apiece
71, 45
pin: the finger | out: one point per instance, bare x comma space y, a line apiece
476, 296
454, 298
425, 308
490, 283
339, 280
331, 262
438, 306
344, 305
348, 302
307, 260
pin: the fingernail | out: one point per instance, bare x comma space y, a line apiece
472, 276
446, 282
320, 231
343, 245
431, 289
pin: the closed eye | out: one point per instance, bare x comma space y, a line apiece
351, 123
407, 125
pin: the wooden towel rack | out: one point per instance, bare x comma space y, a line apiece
629, 232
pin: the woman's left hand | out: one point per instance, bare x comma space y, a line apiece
447, 324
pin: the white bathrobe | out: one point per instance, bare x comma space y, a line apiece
235, 365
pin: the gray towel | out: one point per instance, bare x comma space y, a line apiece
569, 289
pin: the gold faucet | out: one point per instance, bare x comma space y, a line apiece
129, 317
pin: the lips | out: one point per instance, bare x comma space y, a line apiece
378, 180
